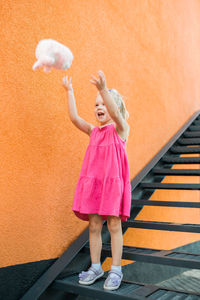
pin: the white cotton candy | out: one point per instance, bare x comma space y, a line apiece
50, 53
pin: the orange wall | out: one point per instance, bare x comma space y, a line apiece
148, 50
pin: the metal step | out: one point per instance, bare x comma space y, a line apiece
176, 172
160, 295
188, 141
162, 226
194, 128
142, 202
191, 134
183, 149
196, 122
170, 186
170, 159
129, 290
150, 292
186, 281
96, 290
156, 256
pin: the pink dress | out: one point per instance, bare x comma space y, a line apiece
104, 186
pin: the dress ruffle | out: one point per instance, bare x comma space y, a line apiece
94, 196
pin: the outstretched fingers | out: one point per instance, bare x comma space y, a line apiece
101, 82
94, 77
101, 75
67, 82
94, 80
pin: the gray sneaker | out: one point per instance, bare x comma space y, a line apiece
89, 278
112, 283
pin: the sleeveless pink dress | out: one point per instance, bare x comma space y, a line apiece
104, 186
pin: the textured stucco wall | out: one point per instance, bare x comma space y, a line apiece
148, 50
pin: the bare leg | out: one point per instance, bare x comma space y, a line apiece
115, 229
95, 239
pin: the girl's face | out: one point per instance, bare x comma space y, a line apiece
100, 111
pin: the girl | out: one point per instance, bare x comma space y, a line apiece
103, 190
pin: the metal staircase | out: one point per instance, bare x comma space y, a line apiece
62, 277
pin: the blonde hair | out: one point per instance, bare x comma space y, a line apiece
120, 102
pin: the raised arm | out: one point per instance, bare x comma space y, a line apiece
71, 100
76, 120
109, 101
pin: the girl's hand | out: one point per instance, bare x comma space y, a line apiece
101, 83
67, 83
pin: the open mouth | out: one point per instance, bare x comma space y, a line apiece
100, 114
